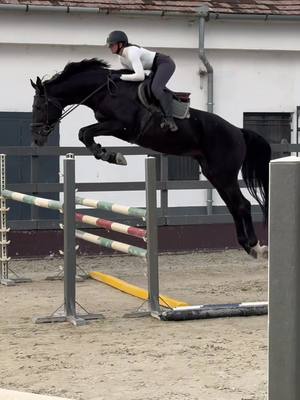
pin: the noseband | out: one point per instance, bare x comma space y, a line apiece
46, 128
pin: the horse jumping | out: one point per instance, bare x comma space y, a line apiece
221, 148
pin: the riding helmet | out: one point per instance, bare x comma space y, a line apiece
117, 37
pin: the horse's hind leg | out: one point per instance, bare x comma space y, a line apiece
256, 249
240, 209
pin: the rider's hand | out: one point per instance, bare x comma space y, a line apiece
115, 76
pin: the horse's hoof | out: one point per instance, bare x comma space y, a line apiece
259, 250
253, 252
264, 252
120, 159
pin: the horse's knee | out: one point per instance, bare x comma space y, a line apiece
84, 137
81, 135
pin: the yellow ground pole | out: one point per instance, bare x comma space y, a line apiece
133, 290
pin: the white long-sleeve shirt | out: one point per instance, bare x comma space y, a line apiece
136, 59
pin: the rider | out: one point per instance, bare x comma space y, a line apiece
139, 60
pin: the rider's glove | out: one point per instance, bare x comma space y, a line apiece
114, 76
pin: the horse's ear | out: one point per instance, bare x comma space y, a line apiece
38, 85
33, 84
39, 82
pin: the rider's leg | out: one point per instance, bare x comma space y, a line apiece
166, 105
164, 69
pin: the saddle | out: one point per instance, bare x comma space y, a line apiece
180, 105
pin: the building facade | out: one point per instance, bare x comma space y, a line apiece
254, 51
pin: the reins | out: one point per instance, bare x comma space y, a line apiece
72, 108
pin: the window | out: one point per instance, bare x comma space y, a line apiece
275, 127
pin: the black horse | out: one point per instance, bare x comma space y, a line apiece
220, 148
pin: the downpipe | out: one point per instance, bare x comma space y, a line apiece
203, 15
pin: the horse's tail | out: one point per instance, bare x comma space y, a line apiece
255, 169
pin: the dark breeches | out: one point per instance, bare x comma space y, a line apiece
163, 68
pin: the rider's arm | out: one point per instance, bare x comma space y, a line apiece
132, 54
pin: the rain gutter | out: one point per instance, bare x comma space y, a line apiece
94, 10
203, 14
253, 17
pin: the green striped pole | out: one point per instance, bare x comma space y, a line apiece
116, 208
111, 244
37, 201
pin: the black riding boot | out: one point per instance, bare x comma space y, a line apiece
166, 106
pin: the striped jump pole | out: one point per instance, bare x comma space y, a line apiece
111, 244
116, 208
112, 226
205, 311
32, 200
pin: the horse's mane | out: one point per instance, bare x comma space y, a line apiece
78, 67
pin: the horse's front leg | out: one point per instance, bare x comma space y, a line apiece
87, 134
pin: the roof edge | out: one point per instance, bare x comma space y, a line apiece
211, 15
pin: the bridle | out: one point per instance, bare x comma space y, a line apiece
47, 128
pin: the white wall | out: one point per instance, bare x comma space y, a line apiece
256, 69
90, 29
